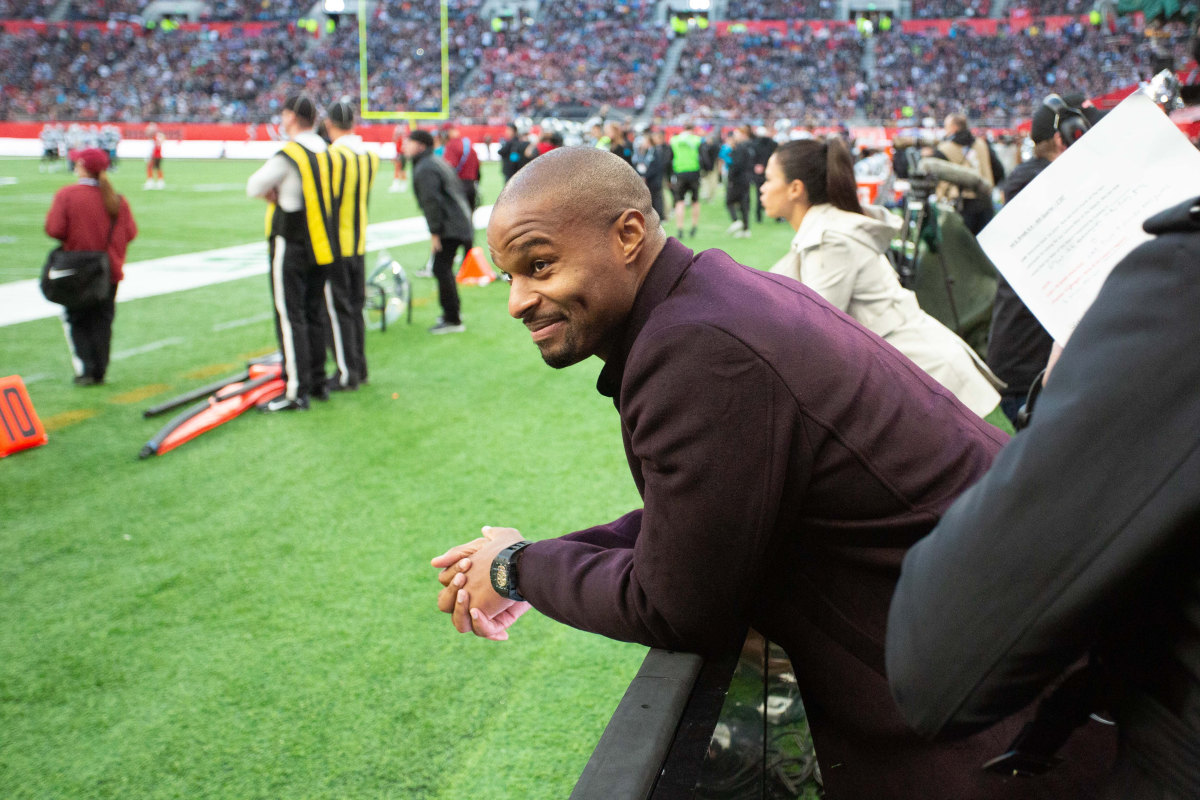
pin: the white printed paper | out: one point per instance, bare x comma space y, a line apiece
1058, 240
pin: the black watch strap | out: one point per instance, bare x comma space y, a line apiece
504, 571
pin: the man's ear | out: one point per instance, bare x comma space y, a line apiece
630, 228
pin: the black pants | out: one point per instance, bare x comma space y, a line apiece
758, 208
345, 295
298, 294
89, 333
736, 202
443, 271
656, 200
471, 190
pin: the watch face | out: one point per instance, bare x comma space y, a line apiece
502, 575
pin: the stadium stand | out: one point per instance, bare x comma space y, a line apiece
780, 9
811, 75
27, 9
950, 9
91, 73
570, 60
1000, 77
548, 68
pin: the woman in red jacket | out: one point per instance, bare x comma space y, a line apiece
90, 215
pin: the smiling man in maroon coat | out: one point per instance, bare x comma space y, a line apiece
786, 457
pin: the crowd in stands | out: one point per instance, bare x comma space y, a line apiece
950, 9
780, 9
26, 9
121, 10
404, 58
811, 75
582, 56
589, 54
128, 74
1004, 76
105, 9
258, 10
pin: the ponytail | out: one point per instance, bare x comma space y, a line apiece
112, 201
840, 185
825, 169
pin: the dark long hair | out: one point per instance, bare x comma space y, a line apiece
826, 170
108, 195
112, 201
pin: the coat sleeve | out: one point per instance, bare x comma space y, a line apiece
427, 186
1077, 519
832, 269
713, 455
268, 176
56, 218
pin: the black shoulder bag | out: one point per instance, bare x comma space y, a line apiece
77, 278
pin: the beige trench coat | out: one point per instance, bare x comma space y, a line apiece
840, 255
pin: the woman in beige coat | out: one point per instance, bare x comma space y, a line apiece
839, 251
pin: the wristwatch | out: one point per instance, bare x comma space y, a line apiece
504, 571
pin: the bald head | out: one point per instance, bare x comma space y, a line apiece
585, 185
575, 233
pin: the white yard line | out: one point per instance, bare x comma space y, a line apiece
241, 323
121, 355
22, 301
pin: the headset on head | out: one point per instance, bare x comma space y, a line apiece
1069, 121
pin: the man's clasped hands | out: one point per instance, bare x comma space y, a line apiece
467, 593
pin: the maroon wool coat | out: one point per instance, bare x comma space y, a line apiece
786, 457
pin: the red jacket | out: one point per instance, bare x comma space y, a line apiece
77, 218
466, 165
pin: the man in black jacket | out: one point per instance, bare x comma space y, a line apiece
512, 152
1081, 540
652, 159
440, 195
764, 146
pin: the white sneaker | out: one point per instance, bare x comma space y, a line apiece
149, 184
735, 227
161, 184
742, 235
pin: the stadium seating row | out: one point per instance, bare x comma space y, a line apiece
572, 59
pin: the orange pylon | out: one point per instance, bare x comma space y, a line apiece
20, 427
475, 268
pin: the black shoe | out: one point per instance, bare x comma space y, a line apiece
693, 231
88, 380
335, 384
284, 404
320, 392
448, 327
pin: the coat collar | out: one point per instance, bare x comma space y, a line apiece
666, 271
812, 227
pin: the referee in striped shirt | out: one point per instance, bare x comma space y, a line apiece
354, 170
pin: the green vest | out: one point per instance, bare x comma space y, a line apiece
685, 152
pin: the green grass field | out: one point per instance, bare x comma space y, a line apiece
252, 615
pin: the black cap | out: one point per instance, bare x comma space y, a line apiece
341, 114
1042, 128
423, 137
302, 107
